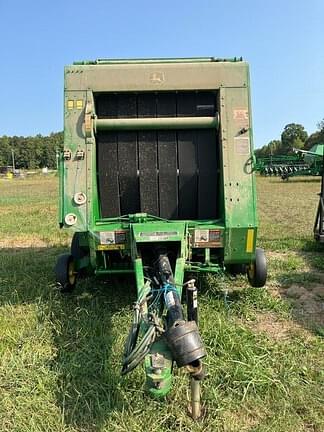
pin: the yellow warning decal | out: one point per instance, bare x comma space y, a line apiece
250, 240
70, 104
110, 247
79, 104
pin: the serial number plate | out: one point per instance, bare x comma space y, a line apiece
157, 235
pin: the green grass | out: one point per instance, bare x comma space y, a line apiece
60, 355
287, 212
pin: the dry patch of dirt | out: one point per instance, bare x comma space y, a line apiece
276, 328
276, 254
307, 301
26, 242
241, 420
285, 255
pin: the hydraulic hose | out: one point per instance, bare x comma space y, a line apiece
135, 357
135, 352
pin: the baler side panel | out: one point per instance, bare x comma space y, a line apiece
239, 187
251, 168
74, 167
61, 190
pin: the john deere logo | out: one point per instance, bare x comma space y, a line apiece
157, 77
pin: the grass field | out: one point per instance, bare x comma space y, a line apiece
60, 355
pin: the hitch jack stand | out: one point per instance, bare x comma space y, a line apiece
195, 370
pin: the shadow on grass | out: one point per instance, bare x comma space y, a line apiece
82, 329
304, 179
311, 245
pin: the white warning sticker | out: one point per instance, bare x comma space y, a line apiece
240, 114
201, 236
242, 145
107, 237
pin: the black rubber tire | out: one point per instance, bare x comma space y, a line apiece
64, 280
78, 251
257, 272
236, 269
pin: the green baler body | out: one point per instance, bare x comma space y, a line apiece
207, 244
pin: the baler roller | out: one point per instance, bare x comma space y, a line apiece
153, 123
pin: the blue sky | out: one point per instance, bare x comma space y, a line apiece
282, 40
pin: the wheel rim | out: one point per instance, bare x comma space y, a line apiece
71, 273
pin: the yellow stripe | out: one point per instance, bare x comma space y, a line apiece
249, 240
111, 247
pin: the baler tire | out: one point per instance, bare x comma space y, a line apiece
257, 271
65, 274
236, 269
78, 251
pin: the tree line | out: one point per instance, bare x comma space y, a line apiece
32, 151
293, 136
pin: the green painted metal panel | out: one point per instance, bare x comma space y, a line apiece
156, 76
158, 231
74, 167
237, 173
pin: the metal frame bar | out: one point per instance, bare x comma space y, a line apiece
156, 123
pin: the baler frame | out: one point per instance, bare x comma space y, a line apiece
159, 251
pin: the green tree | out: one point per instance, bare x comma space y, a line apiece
314, 138
260, 152
272, 148
5, 150
294, 135
31, 152
320, 126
